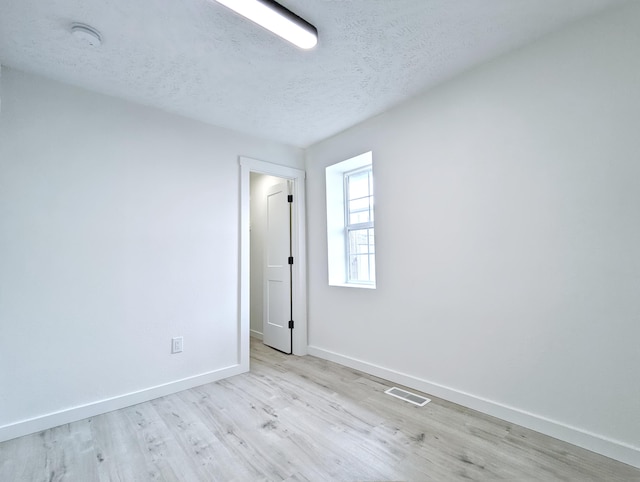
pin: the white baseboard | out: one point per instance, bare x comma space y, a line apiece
596, 443
55, 419
256, 334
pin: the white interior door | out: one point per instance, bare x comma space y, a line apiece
277, 273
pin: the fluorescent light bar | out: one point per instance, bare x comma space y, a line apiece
277, 19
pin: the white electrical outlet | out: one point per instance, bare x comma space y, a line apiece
176, 344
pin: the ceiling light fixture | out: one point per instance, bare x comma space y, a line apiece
276, 18
87, 34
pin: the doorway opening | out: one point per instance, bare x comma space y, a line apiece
272, 277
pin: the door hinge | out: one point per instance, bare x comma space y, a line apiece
290, 198
291, 324
290, 259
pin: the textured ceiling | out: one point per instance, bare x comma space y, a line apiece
199, 59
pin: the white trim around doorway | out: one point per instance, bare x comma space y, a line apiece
247, 166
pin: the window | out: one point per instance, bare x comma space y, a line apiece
359, 232
350, 223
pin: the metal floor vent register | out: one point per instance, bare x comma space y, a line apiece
407, 396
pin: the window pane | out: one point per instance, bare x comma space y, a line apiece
360, 241
359, 185
361, 255
359, 268
359, 211
359, 205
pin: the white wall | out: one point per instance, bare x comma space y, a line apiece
119, 229
507, 239
260, 183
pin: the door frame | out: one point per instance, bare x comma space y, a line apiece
299, 283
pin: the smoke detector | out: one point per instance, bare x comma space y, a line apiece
86, 34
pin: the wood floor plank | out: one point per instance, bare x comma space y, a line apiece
205, 449
297, 419
118, 458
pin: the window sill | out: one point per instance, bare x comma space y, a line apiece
354, 285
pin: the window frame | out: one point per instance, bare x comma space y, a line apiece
368, 225
337, 264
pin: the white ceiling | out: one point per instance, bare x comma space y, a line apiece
199, 59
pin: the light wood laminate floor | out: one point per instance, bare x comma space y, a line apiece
297, 419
